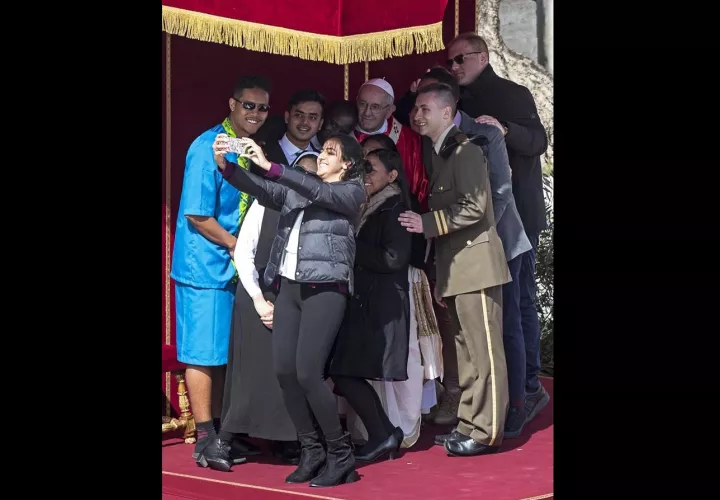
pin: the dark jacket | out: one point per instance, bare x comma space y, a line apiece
326, 249
514, 107
373, 340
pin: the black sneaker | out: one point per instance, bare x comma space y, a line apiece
515, 422
535, 402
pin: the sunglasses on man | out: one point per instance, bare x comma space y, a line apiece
460, 58
263, 108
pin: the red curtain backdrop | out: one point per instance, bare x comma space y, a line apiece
202, 76
325, 17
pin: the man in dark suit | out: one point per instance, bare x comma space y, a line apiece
470, 269
511, 108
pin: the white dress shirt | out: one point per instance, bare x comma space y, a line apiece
245, 248
291, 150
288, 268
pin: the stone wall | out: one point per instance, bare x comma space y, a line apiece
518, 26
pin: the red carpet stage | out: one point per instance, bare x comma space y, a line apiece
523, 470
193, 102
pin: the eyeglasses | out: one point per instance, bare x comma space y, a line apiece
460, 58
374, 108
263, 108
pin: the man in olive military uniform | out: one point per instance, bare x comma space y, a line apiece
471, 269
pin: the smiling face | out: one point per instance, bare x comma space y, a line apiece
374, 107
330, 165
379, 177
430, 117
303, 122
248, 111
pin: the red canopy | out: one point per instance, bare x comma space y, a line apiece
334, 31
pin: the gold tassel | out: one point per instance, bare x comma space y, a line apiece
309, 46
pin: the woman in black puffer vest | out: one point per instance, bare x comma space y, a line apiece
312, 260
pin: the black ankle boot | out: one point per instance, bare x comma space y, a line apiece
312, 458
340, 464
216, 455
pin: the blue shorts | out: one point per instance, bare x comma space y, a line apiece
203, 321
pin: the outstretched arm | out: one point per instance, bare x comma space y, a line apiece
342, 197
267, 193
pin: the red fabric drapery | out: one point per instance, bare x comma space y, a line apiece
334, 31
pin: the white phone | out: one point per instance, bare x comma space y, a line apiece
236, 145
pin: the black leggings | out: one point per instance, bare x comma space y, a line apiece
305, 323
363, 398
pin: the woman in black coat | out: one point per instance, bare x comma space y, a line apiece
373, 341
312, 259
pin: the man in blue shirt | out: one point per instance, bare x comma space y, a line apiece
209, 219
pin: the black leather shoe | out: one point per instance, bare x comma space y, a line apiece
441, 438
465, 446
389, 447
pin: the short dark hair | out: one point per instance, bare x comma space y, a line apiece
444, 92
343, 108
384, 140
476, 41
251, 82
306, 95
442, 75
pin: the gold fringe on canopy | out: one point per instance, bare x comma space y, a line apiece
310, 46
